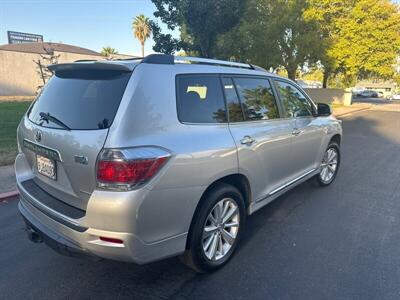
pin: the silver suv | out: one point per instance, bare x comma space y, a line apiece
139, 160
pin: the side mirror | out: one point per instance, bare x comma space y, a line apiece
324, 110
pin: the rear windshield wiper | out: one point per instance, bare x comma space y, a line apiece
47, 117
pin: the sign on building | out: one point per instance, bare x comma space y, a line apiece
15, 37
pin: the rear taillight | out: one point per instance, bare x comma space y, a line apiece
111, 240
129, 168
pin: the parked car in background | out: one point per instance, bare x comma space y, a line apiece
368, 94
139, 160
394, 97
356, 92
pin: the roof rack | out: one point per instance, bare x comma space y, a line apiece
128, 59
170, 60
84, 60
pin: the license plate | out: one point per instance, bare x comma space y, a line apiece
46, 167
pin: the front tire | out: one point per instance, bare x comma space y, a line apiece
216, 229
329, 165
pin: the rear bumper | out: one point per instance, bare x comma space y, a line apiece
87, 244
152, 224
55, 241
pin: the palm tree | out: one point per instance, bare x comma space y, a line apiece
108, 51
141, 29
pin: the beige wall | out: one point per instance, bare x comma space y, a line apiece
18, 72
19, 77
328, 95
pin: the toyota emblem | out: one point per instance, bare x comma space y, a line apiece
38, 136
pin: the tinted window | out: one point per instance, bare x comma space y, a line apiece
232, 101
294, 102
257, 98
200, 99
84, 100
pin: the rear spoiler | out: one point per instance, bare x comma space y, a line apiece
95, 65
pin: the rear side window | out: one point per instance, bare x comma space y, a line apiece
257, 99
200, 99
82, 100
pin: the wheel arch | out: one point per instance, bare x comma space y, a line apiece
337, 138
237, 180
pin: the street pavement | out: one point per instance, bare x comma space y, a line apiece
371, 100
339, 242
7, 179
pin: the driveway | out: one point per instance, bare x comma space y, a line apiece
339, 242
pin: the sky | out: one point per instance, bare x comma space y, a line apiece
91, 24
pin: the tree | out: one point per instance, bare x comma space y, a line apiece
328, 14
141, 29
108, 52
164, 43
297, 39
370, 40
200, 23
274, 34
44, 60
361, 37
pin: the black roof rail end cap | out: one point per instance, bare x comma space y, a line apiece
257, 68
164, 59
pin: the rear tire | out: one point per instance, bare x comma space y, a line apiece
329, 165
216, 229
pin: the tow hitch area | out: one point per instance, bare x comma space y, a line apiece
33, 235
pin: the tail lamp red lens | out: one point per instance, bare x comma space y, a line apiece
128, 171
124, 169
111, 240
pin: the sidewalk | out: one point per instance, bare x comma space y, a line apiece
395, 107
345, 110
7, 182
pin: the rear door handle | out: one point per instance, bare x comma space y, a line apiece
247, 140
296, 132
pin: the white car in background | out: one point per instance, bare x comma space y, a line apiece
394, 97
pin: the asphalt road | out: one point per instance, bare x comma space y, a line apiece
340, 242
372, 100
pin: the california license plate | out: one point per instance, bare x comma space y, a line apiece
46, 167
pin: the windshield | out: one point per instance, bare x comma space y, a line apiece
80, 100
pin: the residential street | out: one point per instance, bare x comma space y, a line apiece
339, 242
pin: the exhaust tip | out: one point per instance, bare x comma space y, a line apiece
33, 235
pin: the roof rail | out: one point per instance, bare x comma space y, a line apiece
84, 60
255, 67
164, 59
127, 59
208, 61
170, 60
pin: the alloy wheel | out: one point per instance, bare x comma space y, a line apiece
220, 229
329, 165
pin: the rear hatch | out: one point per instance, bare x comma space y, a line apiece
66, 128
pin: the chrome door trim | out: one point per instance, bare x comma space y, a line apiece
291, 182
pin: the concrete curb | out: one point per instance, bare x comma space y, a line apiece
353, 111
4, 196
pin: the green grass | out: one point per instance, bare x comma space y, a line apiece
10, 115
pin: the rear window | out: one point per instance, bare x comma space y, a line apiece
82, 100
200, 99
